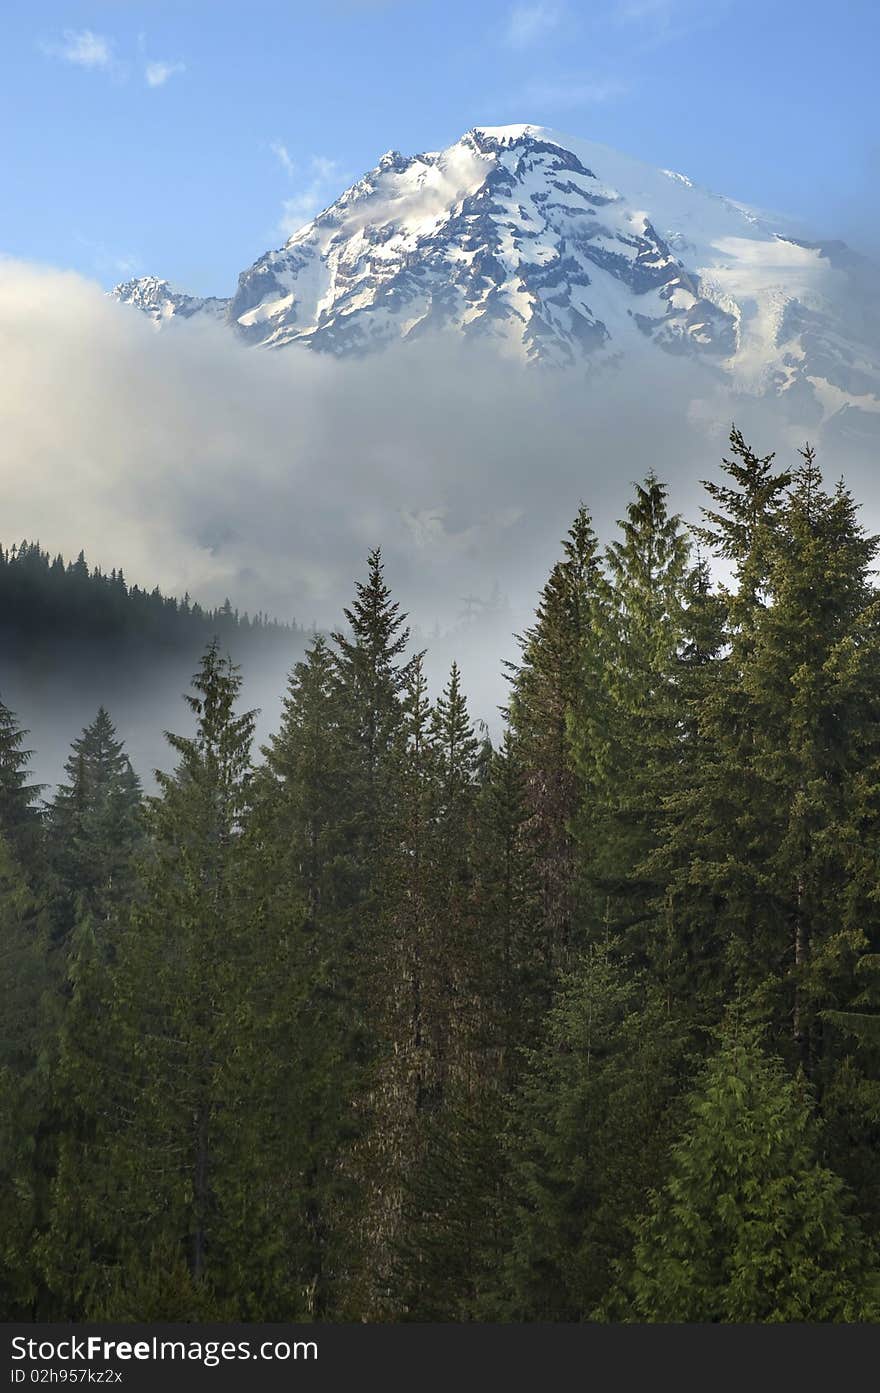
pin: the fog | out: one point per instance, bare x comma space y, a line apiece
205, 467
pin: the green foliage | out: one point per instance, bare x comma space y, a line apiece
19, 819
626, 726
403, 1026
558, 674
25, 978
45, 599
183, 1142
750, 1226
588, 1135
95, 825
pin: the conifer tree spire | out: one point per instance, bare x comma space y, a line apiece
19, 818
369, 656
626, 730
555, 676
94, 822
453, 737
217, 759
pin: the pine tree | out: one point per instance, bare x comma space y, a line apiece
448, 1239
588, 1130
371, 678
767, 856
509, 912
304, 886
189, 1163
455, 1007
411, 1012
556, 674
94, 825
750, 1226
79, 1248
627, 729
19, 818
404, 1027
25, 979
743, 521
411, 896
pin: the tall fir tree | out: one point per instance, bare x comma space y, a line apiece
766, 857
627, 729
372, 677
589, 1126
407, 1076
304, 862
19, 816
26, 1144
557, 673
188, 1164
95, 825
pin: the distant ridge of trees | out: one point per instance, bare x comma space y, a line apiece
43, 597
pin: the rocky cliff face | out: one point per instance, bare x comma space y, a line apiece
160, 300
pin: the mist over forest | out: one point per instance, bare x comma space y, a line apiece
394, 1022
264, 480
439, 683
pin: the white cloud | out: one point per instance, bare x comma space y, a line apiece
203, 465
158, 73
323, 185
529, 24
198, 464
83, 48
282, 155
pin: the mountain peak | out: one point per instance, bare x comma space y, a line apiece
558, 251
161, 301
512, 134
393, 159
502, 136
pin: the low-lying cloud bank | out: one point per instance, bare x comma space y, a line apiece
203, 466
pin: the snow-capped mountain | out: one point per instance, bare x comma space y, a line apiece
562, 252
160, 300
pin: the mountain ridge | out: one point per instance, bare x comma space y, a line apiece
561, 252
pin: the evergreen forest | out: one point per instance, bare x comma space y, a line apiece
389, 1022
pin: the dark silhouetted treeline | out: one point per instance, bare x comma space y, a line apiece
43, 598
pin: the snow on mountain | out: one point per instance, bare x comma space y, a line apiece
161, 301
561, 252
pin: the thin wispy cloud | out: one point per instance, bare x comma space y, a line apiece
325, 180
529, 24
158, 73
664, 21
81, 47
282, 155
568, 93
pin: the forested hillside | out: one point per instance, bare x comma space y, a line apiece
384, 1023
44, 599
73, 637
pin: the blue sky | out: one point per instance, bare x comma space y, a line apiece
182, 137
